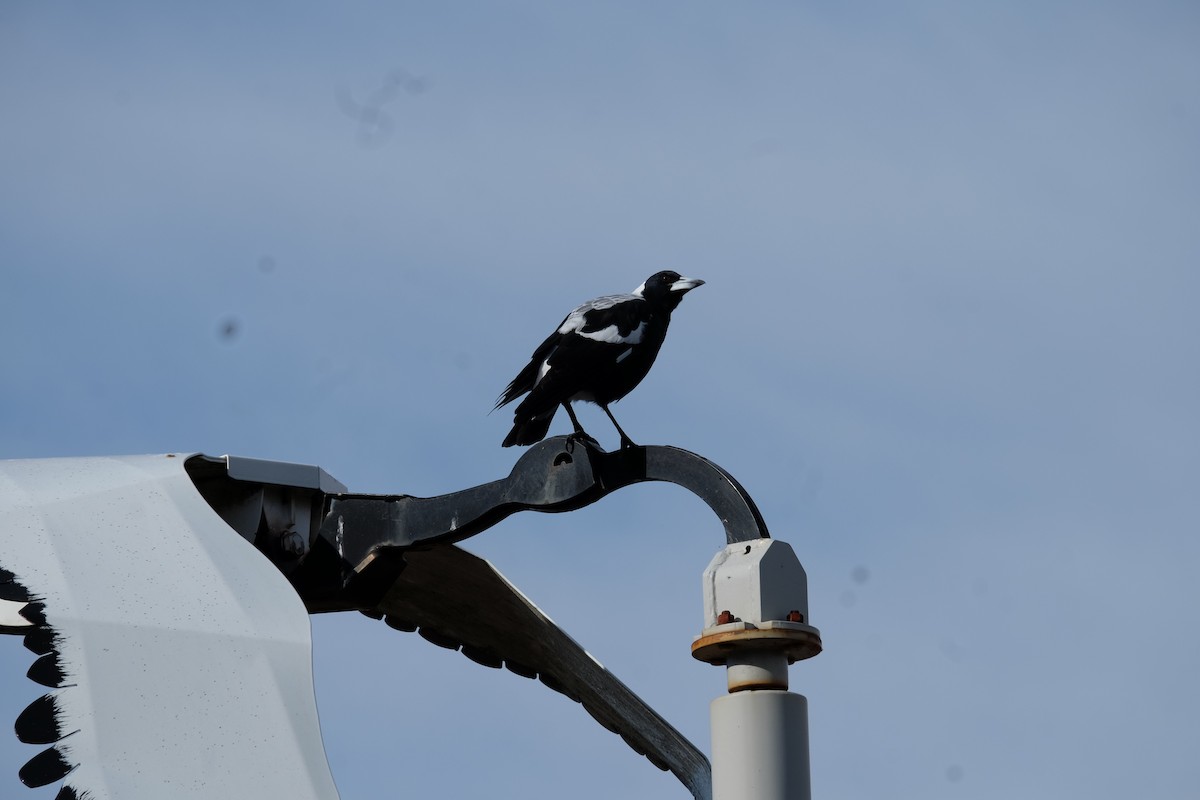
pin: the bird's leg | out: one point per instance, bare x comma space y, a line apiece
580, 433
574, 420
625, 440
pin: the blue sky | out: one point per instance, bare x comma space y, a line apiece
948, 342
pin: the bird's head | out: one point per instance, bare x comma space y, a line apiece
667, 288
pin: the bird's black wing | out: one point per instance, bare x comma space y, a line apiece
614, 319
588, 331
528, 376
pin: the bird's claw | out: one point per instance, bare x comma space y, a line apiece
583, 438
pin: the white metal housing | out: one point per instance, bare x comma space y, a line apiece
186, 655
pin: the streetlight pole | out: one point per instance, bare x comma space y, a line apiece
756, 615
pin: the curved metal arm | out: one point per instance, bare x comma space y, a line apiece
716, 487
560, 474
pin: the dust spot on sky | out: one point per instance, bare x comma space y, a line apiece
229, 329
375, 122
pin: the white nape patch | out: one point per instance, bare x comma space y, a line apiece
628, 352
640, 290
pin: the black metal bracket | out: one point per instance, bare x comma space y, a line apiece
560, 474
325, 539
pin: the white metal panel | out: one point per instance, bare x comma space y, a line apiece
189, 653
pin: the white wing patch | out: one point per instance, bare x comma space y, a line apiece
573, 322
576, 319
542, 371
612, 334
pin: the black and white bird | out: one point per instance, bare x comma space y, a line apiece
599, 353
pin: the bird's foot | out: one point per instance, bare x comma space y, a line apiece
583, 438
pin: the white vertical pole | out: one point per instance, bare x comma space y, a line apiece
760, 746
756, 614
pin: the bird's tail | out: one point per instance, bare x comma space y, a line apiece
528, 430
521, 384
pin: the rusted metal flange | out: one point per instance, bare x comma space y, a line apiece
797, 640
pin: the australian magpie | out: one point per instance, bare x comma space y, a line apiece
599, 353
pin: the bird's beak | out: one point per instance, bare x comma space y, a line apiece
685, 285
